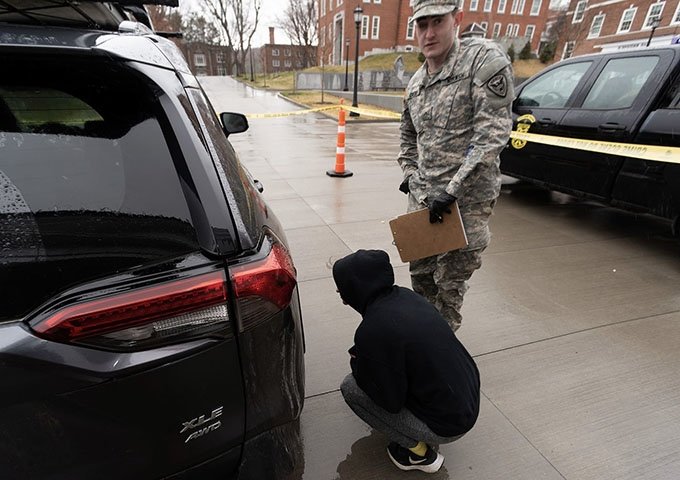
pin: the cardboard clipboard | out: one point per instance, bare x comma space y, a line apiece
415, 237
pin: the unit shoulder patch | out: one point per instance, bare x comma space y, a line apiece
498, 85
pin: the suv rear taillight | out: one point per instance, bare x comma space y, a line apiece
177, 310
264, 287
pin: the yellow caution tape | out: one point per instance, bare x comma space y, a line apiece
643, 152
361, 111
373, 113
294, 112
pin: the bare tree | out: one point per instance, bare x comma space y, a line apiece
239, 20
300, 22
165, 19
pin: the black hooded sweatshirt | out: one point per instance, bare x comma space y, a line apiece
405, 354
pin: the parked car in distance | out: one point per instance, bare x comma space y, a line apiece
150, 325
626, 97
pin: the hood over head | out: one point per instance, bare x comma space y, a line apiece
362, 275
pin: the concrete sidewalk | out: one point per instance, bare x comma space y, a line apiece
573, 320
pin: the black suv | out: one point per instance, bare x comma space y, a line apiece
149, 324
628, 97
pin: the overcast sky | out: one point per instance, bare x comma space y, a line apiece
270, 10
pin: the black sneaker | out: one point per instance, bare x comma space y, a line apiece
405, 459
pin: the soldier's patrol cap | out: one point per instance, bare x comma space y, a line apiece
430, 8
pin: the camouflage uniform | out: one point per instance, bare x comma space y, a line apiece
454, 124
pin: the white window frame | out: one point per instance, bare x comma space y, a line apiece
200, 60
275, 52
515, 30
620, 28
364, 26
646, 24
338, 3
276, 63
508, 30
474, 5
676, 16
287, 63
513, 8
377, 1
528, 35
375, 27
566, 47
496, 30
535, 8
520, 7
595, 30
323, 7
488, 5
410, 29
485, 26
579, 12
501, 6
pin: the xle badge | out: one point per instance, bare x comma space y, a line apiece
498, 85
203, 424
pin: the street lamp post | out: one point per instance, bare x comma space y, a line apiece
346, 63
655, 23
358, 15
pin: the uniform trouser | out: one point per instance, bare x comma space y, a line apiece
442, 279
403, 427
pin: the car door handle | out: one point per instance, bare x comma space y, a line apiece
611, 128
546, 122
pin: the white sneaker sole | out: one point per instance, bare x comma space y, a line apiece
431, 468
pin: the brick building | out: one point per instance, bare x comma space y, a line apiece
207, 59
592, 26
279, 57
386, 25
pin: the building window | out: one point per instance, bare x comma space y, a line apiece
596, 26
676, 17
220, 57
496, 30
508, 30
276, 63
501, 6
221, 70
626, 20
654, 13
339, 3
520, 7
364, 26
485, 26
275, 52
513, 9
568, 50
473, 5
287, 63
529, 32
323, 7
199, 60
410, 27
286, 52
377, 1
375, 28
515, 30
535, 7
488, 5
579, 12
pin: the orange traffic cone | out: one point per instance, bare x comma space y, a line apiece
340, 149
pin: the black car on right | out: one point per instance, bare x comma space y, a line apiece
630, 97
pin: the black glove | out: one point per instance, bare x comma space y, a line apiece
439, 206
404, 185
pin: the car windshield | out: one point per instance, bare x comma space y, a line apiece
88, 185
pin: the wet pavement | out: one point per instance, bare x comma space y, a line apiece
573, 320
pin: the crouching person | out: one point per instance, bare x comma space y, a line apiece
411, 378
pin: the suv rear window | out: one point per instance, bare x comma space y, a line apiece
88, 186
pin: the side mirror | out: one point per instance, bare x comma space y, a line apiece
233, 122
